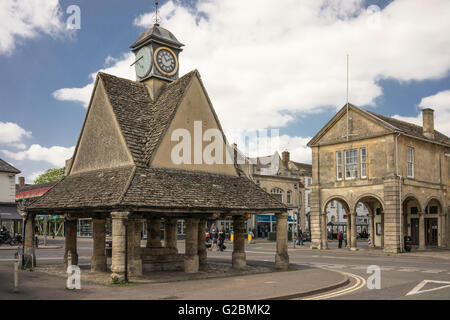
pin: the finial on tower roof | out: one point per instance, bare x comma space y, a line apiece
156, 19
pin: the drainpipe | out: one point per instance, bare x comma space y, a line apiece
400, 191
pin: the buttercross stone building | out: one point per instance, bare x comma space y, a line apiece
122, 169
398, 170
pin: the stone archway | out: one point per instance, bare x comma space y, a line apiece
412, 219
338, 207
375, 221
434, 222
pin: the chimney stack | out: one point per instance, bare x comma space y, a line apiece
428, 122
285, 158
21, 182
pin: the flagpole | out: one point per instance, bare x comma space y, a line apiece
347, 100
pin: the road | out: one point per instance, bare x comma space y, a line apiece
399, 274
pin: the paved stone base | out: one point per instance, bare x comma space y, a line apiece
161, 259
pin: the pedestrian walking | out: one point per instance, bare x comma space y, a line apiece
213, 234
300, 237
345, 239
340, 236
222, 239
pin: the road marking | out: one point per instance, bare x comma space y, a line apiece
360, 282
408, 270
416, 289
432, 271
358, 267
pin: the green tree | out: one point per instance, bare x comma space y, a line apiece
50, 175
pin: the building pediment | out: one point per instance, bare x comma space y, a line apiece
359, 124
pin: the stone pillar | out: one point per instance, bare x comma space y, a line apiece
202, 255
315, 226
421, 231
353, 233
323, 223
392, 220
282, 256
98, 260
349, 230
119, 221
238, 256
191, 263
134, 247
382, 230
372, 229
442, 242
170, 234
154, 233
71, 225
29, 240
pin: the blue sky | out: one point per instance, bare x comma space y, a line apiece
396, 77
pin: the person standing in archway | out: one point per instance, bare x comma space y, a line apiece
340, 236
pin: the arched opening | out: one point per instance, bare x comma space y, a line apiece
337, 210
432, 222
411, 210
369, 222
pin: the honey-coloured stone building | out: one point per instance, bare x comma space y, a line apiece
123, 169
400, 171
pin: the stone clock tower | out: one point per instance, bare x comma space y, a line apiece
156, 51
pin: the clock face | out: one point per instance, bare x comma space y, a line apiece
166, 61
143, 62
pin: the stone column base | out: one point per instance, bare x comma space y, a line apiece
239, 260
281, 261
98, 263
191, 263
74, 259
391, 250
202, 259
117, 277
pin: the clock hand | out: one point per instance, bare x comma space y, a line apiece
136, 61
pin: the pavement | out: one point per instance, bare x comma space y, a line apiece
414, 275
302, 282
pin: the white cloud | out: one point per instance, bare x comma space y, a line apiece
24, 19
33, 176
11, 134
254, 143
440, 103
55, 155
268, 62
119, 67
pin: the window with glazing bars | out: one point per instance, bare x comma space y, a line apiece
410, 160
339, 165
351, 163
363, 152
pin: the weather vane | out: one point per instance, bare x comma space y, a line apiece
156, 19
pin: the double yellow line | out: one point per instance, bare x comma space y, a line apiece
359, 283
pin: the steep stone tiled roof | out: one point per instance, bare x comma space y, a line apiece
141, 120
303, 167
6, 167
174, 188
411, 129
98, 188
143, 123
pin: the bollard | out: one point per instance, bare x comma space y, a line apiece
16, 278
